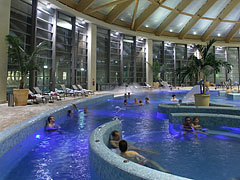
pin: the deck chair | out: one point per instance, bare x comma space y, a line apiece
75, 88
36, 97
85, 90
68, 91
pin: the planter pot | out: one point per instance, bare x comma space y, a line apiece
20, 96
202, 99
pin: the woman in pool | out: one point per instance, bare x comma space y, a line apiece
174, 98
136, 157
51, 126
198, 127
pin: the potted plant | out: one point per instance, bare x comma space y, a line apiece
25, 63
200, 67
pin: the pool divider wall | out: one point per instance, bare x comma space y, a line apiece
108, 165
17, 141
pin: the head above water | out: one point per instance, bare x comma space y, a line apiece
146, 98
187, 120
173, 96
123, 146
51, 119
70, 111
196, 120
116, 135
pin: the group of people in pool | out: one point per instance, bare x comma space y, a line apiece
51, 126
192, 127
128, 151
140, 102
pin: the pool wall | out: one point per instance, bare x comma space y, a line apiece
108, 165
17, 141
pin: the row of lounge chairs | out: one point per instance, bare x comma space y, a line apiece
38, 96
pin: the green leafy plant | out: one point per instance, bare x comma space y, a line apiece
203, 66
24, 61
157, 69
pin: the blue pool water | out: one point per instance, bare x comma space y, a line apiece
65, 156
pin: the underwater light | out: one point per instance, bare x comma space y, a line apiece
108, 99
38, 136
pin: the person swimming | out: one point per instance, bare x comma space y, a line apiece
141, 103
135, 101
147, 100
196, 124
174, 98
70, 112
187, 126
136, 157
129, 94
85, 110
51, 126
116, 138
125, 102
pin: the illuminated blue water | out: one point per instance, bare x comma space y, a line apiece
65, 156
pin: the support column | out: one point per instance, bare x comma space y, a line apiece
92, 44
5, 7
149, 60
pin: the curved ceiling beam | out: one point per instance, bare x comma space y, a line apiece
195, 18
89, 11
117, 10
221, 16
146, 14
233, 31
134, 13
83, 5
180, 7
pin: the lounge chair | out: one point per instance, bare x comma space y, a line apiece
85, 90
36, 98
68, 91
75, 88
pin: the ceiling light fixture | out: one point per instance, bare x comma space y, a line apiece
171, 30
218, 34
147, 26
194, 32
117, 33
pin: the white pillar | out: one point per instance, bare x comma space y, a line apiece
92, 45
5, 7
149, 60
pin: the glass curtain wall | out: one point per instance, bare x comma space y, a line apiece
81, 39
220, 54
158, 56
232, 58
169, 62
20, 26
44, 33
181, 60
103, 44
115, 58
140, 61
128, 59
64, 44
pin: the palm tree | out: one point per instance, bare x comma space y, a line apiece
21, 58
202, 66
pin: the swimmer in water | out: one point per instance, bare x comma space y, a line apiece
136, 157
125, 102
198, 127
129, 94
116, 138
174, 98
147, 100
85, 110
51, 126
140, 103
187, 127
70, 112
135, 101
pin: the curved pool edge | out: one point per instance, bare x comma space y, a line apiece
109, 165
18, 140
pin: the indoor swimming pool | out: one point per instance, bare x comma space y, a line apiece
64, 155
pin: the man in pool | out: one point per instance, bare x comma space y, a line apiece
125, 102
116, 138
174, 98
136, 157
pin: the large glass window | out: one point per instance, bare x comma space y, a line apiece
128, 59
103, 55
140, 60
81, 39
158, 56
220, 54
233, 76
169, 62
20, 26
64, 41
